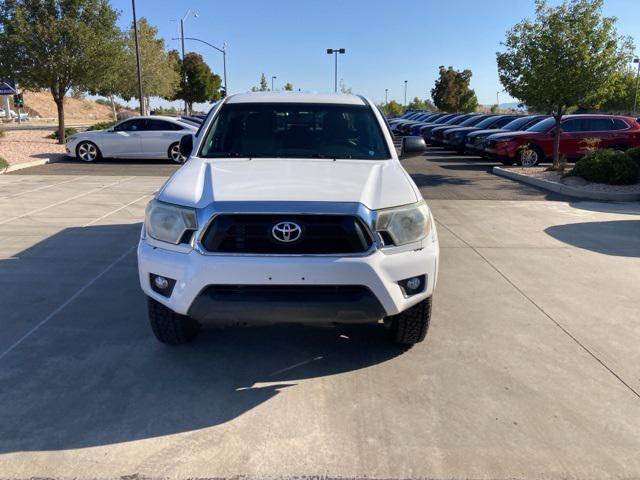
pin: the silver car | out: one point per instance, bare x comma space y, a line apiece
153, 137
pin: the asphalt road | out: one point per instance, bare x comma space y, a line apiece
530, 369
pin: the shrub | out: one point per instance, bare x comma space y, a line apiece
607, 166
101, 126
3, 163
634, 154
67, 131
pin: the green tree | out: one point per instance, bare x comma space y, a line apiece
264, 86
419, 104
288, 87
392, 108
623, 93
201, 85
567, 56
58, 45
344, 88
160, 72
452, 93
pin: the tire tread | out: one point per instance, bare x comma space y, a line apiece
411, 326
168, 326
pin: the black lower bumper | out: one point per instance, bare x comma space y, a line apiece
256, 304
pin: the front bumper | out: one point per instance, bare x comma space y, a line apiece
198, 275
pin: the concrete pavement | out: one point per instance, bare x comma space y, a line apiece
530, 369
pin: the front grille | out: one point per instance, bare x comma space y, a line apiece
252, 234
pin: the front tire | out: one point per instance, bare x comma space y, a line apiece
411, 326
88, 151
175, 155
168, 326
529, 156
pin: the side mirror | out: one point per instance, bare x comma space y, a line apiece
412, 147
186, 145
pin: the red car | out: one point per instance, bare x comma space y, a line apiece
579, 134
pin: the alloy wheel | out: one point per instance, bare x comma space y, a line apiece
529, 158
87, 152
175, 154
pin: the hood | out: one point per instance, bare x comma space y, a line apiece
375, 184
490, 131
518, 133
459, 129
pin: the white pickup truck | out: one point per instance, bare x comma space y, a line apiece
292, 207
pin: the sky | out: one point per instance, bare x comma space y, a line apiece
386, 42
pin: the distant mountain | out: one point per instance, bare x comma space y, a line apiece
510, 105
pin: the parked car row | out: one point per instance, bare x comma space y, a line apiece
523, 139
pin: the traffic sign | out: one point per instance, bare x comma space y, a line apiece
7, 87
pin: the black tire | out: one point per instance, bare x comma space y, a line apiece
88, 152
411, 326
168, 326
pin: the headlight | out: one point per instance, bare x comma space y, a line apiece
404, 224
71, 138
168, 223
505, 139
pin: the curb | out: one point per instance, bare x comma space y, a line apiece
35, 163
566, 189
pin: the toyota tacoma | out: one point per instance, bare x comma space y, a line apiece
292, 207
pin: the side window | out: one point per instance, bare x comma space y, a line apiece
573, 125
503, 121
619, 124
161, 125
134, 125
598, 124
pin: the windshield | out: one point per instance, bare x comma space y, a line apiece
295, 131
517, 124
542, 126
487, 122
471, 121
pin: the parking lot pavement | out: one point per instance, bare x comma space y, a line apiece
529, 369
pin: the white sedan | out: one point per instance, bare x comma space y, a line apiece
153, 137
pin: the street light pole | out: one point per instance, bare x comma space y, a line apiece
222, 50
497, 100
184, 77
405, 93
635, 100
135, 34
335, 52
386, 96
273, 77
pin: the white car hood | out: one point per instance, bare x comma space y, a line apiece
375, 184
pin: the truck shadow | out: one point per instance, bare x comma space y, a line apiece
94, 375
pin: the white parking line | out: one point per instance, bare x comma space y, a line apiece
66, 200
42, 188
117, 210
67, 302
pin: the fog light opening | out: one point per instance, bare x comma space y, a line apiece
413, 285
162, 285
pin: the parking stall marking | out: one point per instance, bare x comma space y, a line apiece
58, 309
92, 222
75, 179
94, 190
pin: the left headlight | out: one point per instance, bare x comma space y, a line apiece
167, 222
404, 225
70, 139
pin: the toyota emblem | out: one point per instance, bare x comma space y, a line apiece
286, 232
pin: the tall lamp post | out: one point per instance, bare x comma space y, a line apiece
182, 20
635, 100
135, 34
273, 77
405, 93
386, 96
222, 50
335, 52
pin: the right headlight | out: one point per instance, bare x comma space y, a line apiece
167, 222
404, 225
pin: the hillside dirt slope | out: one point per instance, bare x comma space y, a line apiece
83, 110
